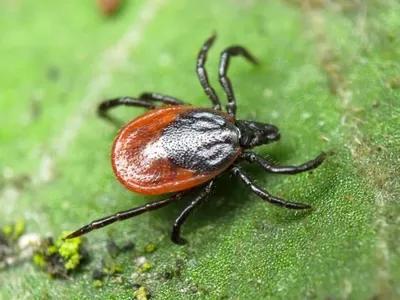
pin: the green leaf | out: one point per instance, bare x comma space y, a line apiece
329, 79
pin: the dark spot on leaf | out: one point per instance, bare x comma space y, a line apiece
97, 274
112, 248
127, 246
53, 73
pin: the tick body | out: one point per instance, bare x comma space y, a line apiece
176, 147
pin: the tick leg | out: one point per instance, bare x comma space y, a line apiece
269, 167
263, 194
202, 73
161, 98
106, 105
223, 77
176, 229
123, 215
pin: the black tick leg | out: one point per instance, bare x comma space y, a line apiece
145, 100
202, 73
176, 229
269, 167
123, 215
161, 98
106, 105
263, 194
223, 69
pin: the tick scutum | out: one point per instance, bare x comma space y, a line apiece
201, 140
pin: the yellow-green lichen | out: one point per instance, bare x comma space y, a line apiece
19, 228
97, 283
13, 231
69, 250
141, 293
39, 260
113, 269
58, 258
145, 267
7, 230
52, 249
150, 248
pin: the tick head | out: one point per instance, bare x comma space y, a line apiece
254, 134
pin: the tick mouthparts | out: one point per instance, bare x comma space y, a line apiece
274, 136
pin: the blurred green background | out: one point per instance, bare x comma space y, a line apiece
329, 79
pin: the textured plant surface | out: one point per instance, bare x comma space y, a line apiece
329, 79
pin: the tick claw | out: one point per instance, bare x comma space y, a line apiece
179, 241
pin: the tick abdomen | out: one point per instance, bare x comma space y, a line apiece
184, 147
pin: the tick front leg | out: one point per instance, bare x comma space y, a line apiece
202, 73
263, 194
123, 215
106, 105
291, 170
176, 229
168, 100
223, 77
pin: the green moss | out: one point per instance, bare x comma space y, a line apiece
143, 268
19, 228
97, 283
113, 269
59, 258
39, 260
13, 231
8, 230
141, 293
150, 248
52, 250
73, 261
69, 250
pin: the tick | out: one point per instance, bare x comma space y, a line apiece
177, 147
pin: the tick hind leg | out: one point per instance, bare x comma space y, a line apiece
202, 73
145, 100
176, 229
161, 98
106, 105
123, 215
263, 194
291, 170
223, 77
